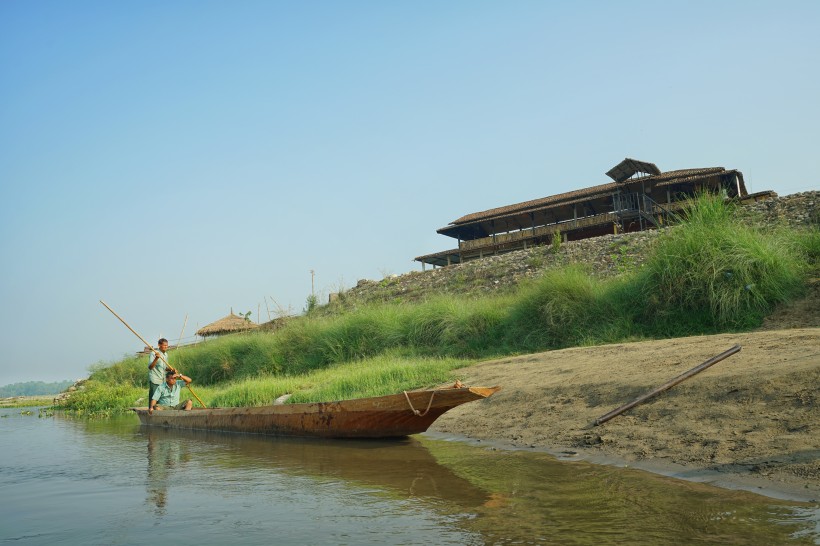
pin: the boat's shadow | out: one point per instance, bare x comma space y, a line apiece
401, 466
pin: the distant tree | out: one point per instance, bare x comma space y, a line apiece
34, 388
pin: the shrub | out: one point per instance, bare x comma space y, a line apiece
714, 272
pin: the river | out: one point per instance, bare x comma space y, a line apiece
110, 481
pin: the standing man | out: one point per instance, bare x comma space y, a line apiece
157, 368
167, 395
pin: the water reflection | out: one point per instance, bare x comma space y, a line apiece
537, 498
164, 456
420, 491
404, 468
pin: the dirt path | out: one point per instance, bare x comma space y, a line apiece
751, 420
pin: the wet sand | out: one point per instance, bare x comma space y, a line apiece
751, 421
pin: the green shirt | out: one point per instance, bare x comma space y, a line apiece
166, 395
156, 375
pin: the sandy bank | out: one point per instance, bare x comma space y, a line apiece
749, 421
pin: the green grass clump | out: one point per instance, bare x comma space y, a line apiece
808, 244
569, 307
228, 358
715, 273
386, 374
102, 398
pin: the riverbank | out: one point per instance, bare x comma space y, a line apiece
750, 421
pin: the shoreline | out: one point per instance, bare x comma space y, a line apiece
735, 481
749, 422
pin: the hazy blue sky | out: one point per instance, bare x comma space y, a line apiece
189, 157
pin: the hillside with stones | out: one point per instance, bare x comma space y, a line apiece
604, 256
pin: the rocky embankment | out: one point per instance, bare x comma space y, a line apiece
605, 256
78, 385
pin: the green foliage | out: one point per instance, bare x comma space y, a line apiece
228, 357
808, 244
311, 303
34, 388
386, 374
566, 307
621, 258
555, 244
715, 273
103, 398
472, 327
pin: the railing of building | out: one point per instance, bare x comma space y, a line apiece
626, 207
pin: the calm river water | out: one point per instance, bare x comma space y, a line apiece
72, 481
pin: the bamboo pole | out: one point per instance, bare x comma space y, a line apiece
184, 324
668, 385
158, 353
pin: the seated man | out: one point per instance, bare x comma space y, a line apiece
167, 394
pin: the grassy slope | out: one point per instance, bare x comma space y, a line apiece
712, 274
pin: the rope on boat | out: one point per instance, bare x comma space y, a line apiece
417, 412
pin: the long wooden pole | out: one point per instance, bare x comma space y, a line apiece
184, 324
158, 353
668, 385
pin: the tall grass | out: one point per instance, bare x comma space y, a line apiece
710, 274
226, 358
566, 307
386, 374
808, 244
716, 273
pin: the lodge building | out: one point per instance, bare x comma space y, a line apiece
639, 197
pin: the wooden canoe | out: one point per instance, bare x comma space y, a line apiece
389, 416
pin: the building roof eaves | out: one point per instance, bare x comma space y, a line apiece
499, 212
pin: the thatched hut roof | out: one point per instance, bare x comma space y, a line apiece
227, 325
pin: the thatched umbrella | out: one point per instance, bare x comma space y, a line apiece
227, 325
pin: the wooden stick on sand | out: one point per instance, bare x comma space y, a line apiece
666, 386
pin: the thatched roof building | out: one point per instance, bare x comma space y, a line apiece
640, 196
227, 325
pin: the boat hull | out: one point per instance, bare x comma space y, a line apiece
389, 416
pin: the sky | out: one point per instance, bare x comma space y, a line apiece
185, 158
